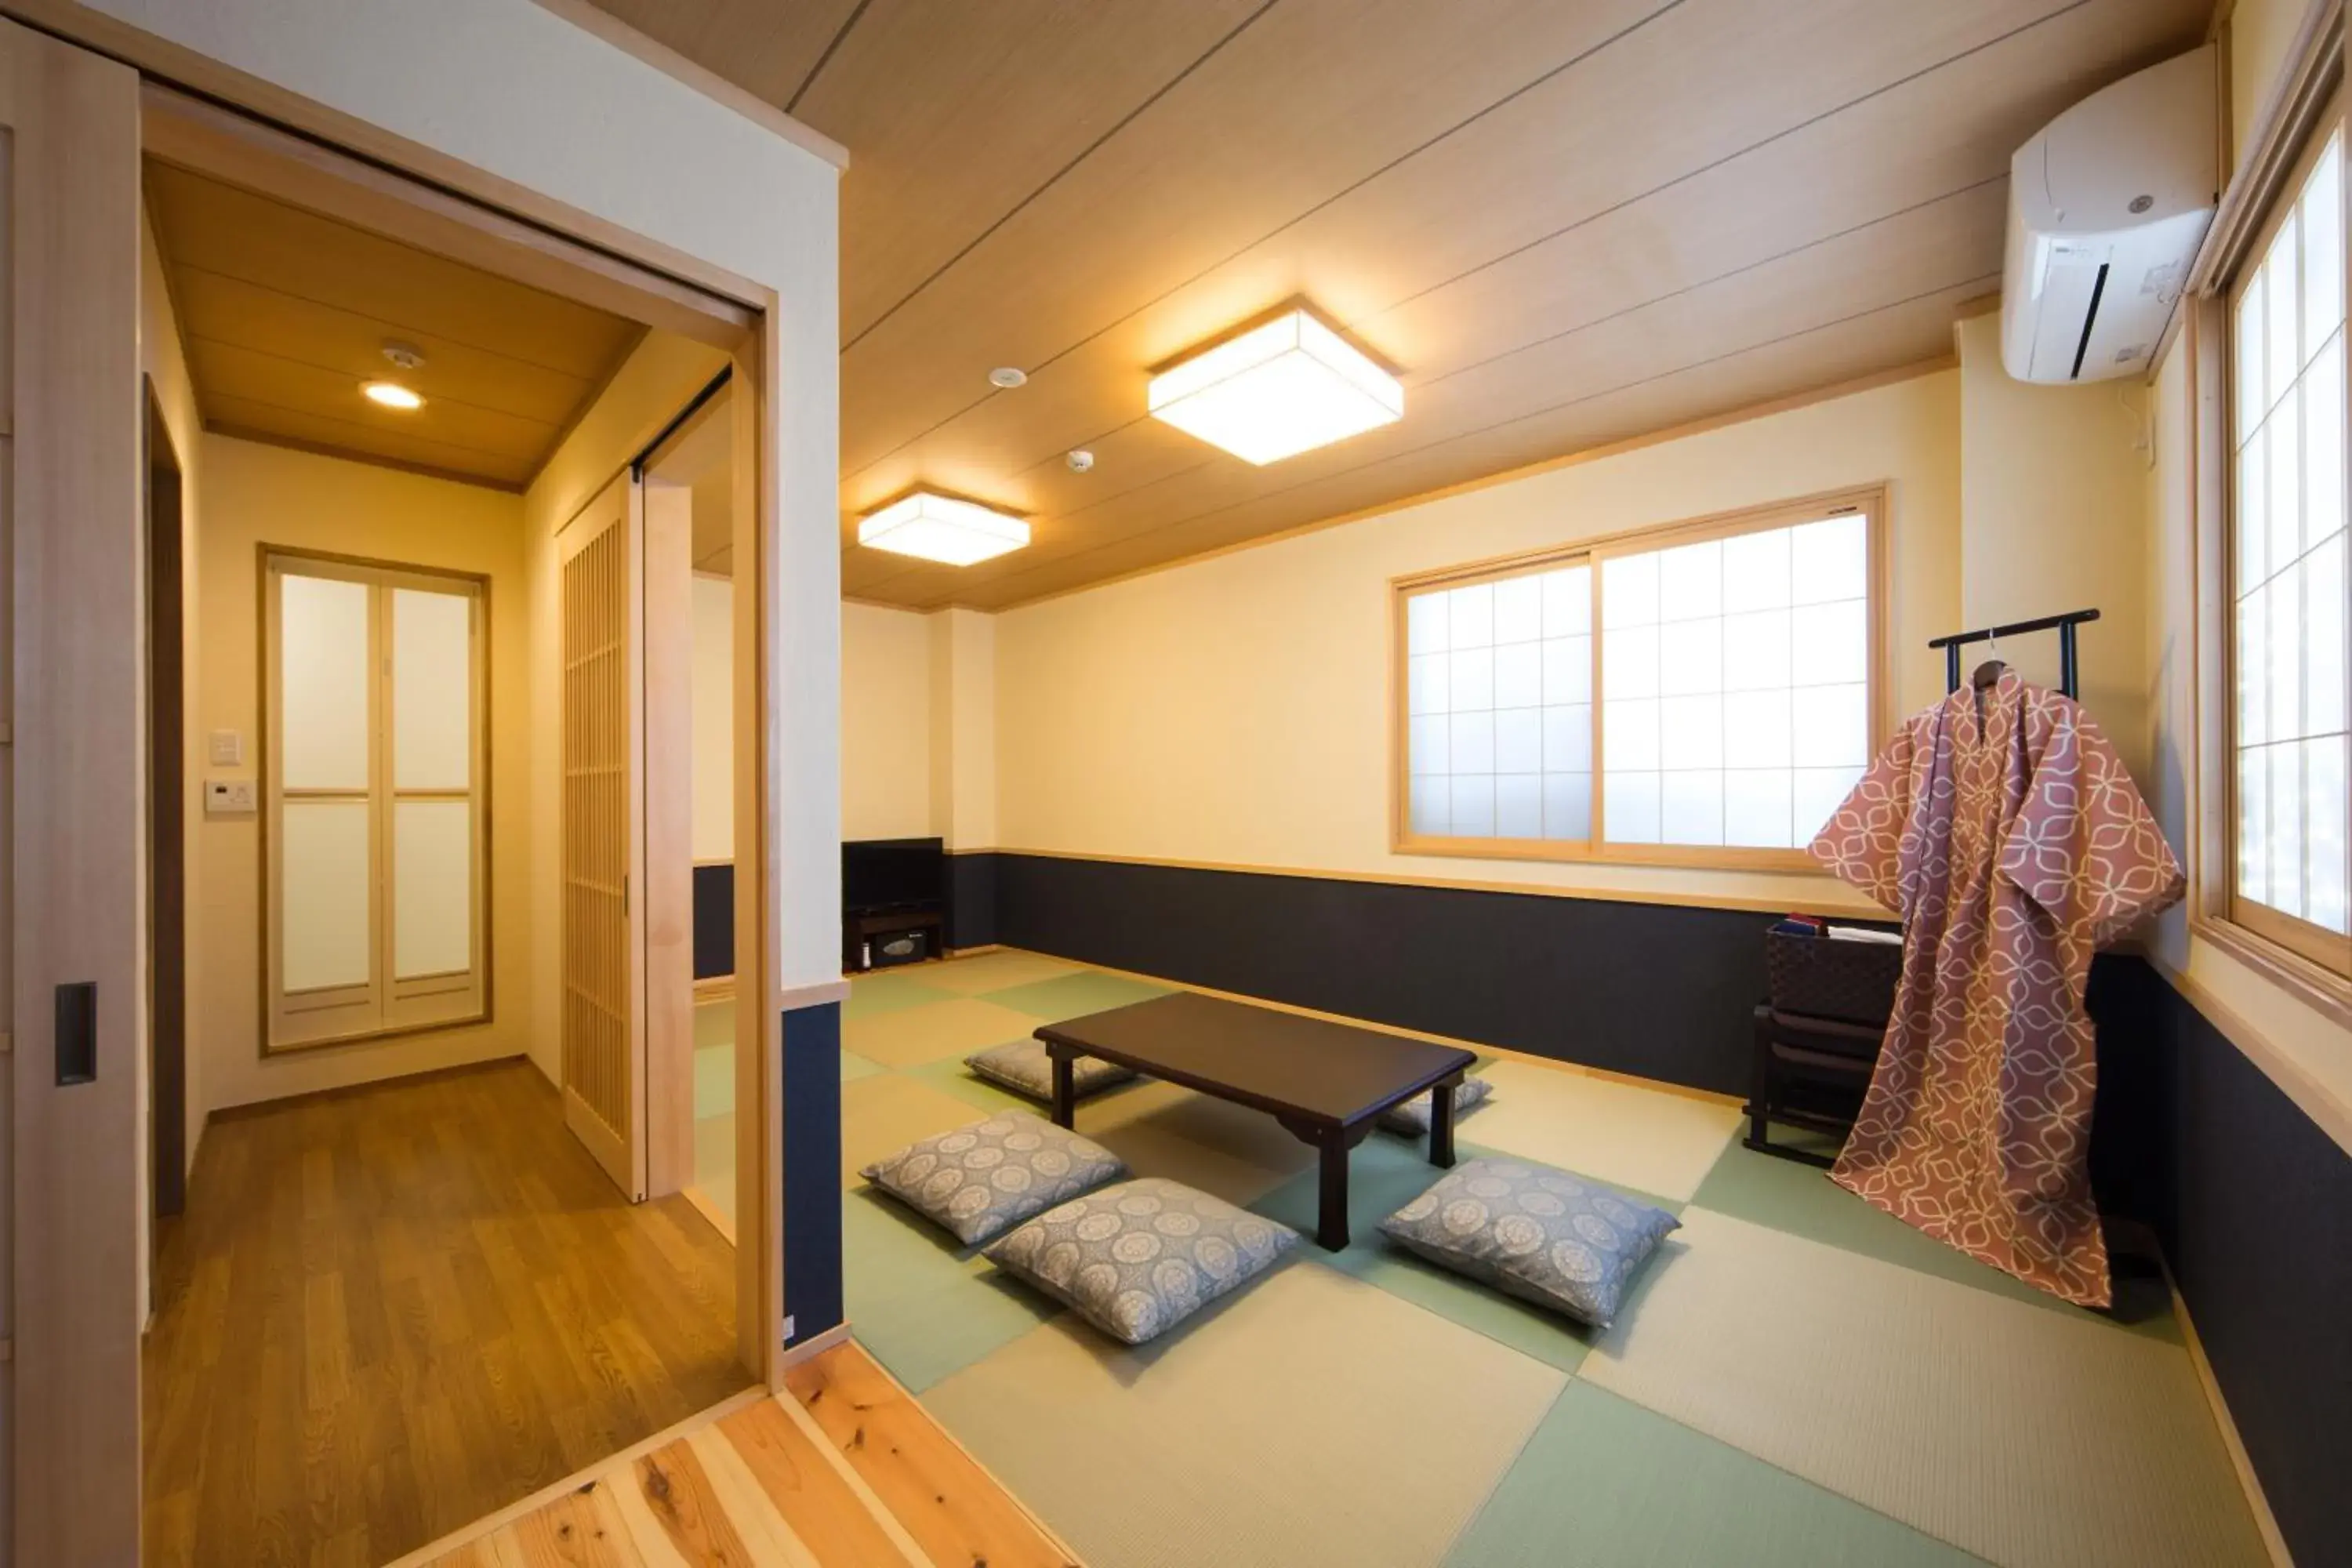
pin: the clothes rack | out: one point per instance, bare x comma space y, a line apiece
2068, 680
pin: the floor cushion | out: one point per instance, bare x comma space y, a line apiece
1535, 1232
1138, 1258
1412, 1117
979, 1180
1024, 1068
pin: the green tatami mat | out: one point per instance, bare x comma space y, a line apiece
870, 996
1603, 1483
923, 1307
1075, 995
714, 1079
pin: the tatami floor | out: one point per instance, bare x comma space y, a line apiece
392, 1311
1799, 1379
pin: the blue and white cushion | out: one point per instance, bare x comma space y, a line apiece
979, 1180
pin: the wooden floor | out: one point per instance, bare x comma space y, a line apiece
391, 1312
847, 1472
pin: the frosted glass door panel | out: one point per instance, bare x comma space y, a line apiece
322, 628
325, 894
432, 887
432, 690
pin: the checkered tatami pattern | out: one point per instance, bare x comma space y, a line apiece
1799, 1379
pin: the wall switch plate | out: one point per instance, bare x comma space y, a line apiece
227, 749
230, 797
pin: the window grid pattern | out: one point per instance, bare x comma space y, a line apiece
1736, 686
1499, 707
2288, 565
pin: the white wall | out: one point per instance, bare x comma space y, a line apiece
886, 723
257, 495
714, 718
1235, 711
518, 93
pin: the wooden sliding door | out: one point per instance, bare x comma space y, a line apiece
604, 1019
72, 546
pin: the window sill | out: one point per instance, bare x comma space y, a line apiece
2318, 988
1677, 857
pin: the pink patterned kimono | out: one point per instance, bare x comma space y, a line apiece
2014, 844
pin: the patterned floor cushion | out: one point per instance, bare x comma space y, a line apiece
1541, 1234
1138, 1258
1411, 1118
1023, 1066
979, 1180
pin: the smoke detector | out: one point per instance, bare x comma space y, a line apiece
1008, 376
1079, 459
406, 356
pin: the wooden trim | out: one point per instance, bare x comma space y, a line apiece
589, 18
814, 1346
1869, 501
2323, 990
817, 993
351, 455
2249, 1482
1819, 894
1854, 386
447, 1546
714, 988
667, 763
2316, 1099
2313, 64
236, 148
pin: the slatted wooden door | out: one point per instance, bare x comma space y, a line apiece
603, 1018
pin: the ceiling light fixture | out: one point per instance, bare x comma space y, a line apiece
942, 528
1008, 376
1284, 387
391, 394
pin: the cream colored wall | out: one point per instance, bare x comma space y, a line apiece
656, 382
2260, 34
714, 718
886, 723
964, 728
257, 495
2054, 495
1236, 711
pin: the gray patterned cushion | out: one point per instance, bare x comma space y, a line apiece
1023, 1066
980, 1179
1138, 1258
1411, 1118
1535, 1233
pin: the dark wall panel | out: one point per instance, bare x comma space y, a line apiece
971, 900
1660, 992
714, 921
812, 1173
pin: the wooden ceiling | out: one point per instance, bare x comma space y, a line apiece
1568, 224
286, 313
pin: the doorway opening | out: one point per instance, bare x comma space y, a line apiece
434, 718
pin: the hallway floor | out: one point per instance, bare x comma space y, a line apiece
392, 1310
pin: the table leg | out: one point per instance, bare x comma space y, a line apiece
1065, 1091
1441, 1125
1331, 1229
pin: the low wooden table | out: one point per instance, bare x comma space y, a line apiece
1324, 1082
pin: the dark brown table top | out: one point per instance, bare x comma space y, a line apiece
1278, 1062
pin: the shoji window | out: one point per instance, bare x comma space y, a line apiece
375, 757
2287, 576
1703, 694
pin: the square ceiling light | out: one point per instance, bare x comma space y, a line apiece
1285, 387
943, 529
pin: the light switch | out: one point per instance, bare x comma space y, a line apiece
229, 797
227, 749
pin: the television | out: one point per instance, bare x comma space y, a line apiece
879, 875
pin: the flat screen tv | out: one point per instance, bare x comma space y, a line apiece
878, 874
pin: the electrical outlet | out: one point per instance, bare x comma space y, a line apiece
230, 797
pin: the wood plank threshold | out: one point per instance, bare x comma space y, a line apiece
843, 1469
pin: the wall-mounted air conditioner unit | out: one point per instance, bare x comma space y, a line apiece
2107, 208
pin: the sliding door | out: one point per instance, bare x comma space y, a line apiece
70, 546
601, 555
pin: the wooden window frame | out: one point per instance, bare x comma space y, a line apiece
2290, 130
420, 1003
1869, 500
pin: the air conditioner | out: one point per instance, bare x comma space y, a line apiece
2107, 208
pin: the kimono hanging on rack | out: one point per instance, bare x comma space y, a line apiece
2002, 827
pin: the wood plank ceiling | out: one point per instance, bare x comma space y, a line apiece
286, 313
1568, 224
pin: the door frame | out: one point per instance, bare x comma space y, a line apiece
165, 591
73, 1481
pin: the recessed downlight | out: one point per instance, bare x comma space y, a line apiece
391, 394
1008, 376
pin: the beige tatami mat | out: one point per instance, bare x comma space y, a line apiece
1659, 1143
1314, 1419
2025, 1436
883, 1114
994, 971
913, 1035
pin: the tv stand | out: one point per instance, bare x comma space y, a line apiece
886, 938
